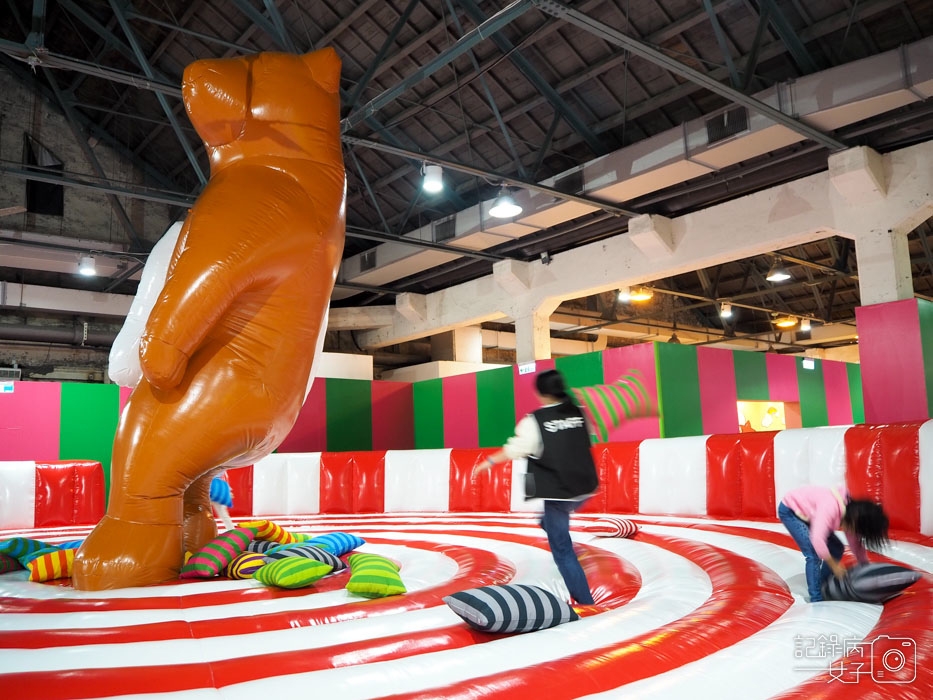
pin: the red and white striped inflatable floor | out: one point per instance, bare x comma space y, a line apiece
689, 608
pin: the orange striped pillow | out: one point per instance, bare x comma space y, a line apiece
51, 564
267, 530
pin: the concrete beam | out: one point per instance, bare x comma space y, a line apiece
73, 301
360, 317
513, 276
858, 174
652, 235
412, 307
783, 216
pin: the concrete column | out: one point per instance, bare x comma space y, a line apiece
459, 345
883, 267
533, 336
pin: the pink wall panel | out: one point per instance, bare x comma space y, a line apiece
891, 356
461, 421
717, 390
782, 378
836, 381
393, 416
310, 431
29, 421
615, 362
124, 397
525, 400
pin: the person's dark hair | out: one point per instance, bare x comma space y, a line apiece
868, 521
551, 383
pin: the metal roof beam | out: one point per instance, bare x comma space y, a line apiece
721, 40
786, 32
651, 54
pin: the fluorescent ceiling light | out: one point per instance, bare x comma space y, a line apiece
805, 325
86, 266
433, 178
505, 206
725, 310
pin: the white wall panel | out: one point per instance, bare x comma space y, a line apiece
791, 462
303, 475
17, 494
926, 478
828, 456
417, 480
672, 476
270, 485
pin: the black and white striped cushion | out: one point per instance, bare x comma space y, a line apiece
870, 583
307, 551
611, 526
261, 546
510, 608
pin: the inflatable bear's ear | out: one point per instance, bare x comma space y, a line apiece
216, 98
325, 68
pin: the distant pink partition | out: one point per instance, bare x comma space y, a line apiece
641, 357
717, 390
30, 418
124, 397
782, 378
461, 422
891, 358
525, 399
838, 404
310, 431
393, 416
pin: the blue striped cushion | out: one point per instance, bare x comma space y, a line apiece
339, 543
304, 550
510, 608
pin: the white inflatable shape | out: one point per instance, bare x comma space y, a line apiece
429, 469
17, 494
124, 366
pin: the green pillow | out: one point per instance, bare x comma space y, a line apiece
22, 548
373, 576
292, 572
218, 553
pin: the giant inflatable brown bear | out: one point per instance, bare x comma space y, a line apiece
227, 350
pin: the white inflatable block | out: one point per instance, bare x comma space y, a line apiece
417, 480
270, 485
828, 456
926, 478
17, 494
303, 495
791, 461
672, 476
519, 504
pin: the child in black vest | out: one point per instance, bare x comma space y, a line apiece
556, 442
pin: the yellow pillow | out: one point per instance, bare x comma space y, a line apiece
292, 572
373, 576
267, 530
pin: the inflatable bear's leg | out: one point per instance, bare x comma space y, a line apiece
162, 447
199, 525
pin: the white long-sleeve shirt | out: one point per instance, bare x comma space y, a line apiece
527, 442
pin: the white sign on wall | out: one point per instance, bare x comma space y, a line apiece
6, 387
527, 368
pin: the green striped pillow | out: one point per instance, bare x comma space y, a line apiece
292, 572
216, 554
373, 576
21, 548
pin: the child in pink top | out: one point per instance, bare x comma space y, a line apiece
812, 514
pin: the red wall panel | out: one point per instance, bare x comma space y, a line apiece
337, 482
461, 422
369, 478
490, 492
241, 484
69, 493
723, 475
353, 482
393, 416
617, 464
757, 450
309, 434
597, 503
863, 462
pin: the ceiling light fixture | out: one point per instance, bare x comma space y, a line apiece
642, 294
674, 339
625, 294
805, 325
725, 310
433, 178
786, 322
86, 266
505, 206
777, 273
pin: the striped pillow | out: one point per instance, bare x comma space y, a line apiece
337, 542
52, 563
267, 530
304, 550
216, 554
262, 546
611, 527
610, 404
8, 563
510, 608
244, 566
373, 576
22, 547
870, 583
292, 572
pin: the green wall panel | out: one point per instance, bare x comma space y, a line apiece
855, 392
679, 390
89, 415
925, 310
349, 415
581, 370
428, 398
495, 404
751, 375
813, 411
